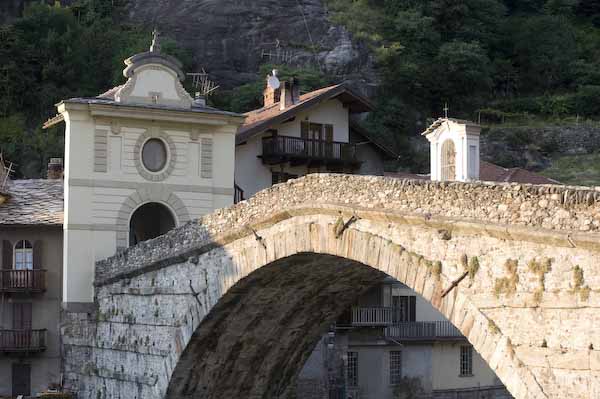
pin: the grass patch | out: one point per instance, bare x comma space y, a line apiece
580, 170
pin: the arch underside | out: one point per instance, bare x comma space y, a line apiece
221, 361
255, 341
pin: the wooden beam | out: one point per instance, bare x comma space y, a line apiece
53, 121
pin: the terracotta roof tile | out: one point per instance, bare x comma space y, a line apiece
33, 202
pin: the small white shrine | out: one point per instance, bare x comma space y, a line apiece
454, 150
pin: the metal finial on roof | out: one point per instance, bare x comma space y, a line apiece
155, 47
446, 109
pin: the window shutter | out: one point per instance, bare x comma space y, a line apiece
7, 255
329, 133
37, 254
413, 308
304, 129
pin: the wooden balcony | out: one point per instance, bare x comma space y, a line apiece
423, 331
374, 316
22, 341
22, 280
299, 151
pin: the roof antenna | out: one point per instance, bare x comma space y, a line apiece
155, 47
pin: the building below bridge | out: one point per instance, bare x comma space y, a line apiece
393, 344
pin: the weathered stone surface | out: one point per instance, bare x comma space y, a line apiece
188, 291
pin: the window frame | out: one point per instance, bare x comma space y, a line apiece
352, 368
466, 361
29, 265
167, 155
395, 359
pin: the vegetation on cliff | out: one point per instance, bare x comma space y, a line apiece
523, 62
52, 53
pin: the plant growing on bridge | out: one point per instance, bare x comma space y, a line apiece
540, 268
578, 284
493, 327
508, 285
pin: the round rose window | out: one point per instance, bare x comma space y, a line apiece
154, 155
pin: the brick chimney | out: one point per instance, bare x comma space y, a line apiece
55, 169
290, 93
272, 90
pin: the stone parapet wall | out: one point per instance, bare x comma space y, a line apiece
562, 209
474, 393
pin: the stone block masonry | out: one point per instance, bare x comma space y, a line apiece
529, 309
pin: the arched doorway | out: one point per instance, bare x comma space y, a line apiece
150, 221
448, 161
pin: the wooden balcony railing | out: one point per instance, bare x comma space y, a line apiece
416, 330
22, 340
278, 149
375, 316
22, 280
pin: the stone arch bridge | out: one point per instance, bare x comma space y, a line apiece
231, 305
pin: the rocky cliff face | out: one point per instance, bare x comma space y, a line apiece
10, 9
535, 147
231, 38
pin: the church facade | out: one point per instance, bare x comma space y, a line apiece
140, 159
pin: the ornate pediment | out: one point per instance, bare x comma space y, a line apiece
154, 79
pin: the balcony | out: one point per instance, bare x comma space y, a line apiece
22, 341
423, 331
375, 316
299, 151
22, 280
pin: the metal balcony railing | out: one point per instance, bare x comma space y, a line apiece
374, 316
22, 340
22, 280
238, 194
279, 149
423, 330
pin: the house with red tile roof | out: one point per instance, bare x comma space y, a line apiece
293, 135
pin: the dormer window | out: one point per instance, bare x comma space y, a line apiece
23, 255
154, 155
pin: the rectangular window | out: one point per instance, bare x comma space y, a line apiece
404, 308
352, 369
466, 361
395, 367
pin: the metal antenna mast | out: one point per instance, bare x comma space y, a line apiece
201, 82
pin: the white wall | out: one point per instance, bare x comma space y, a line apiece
446, 369
94, 221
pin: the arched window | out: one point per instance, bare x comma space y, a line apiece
150, 221
448, 160
23, 255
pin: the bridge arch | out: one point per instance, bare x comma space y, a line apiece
154, 299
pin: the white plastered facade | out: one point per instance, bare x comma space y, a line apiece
465, 137
252, 175
106, 181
